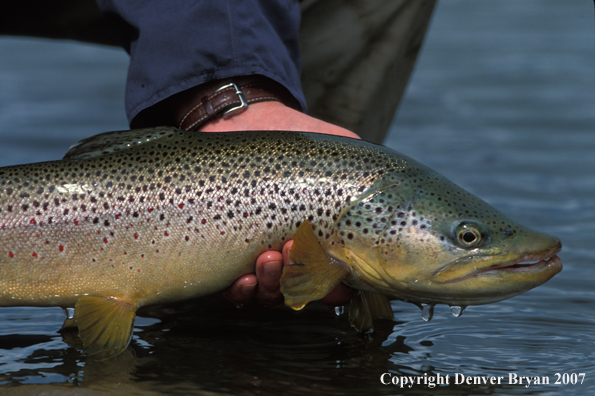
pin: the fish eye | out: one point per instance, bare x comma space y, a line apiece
471, 234
468, 237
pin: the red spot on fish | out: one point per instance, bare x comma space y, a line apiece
142, 256
136, 235
222, 232
149, 209
166, 233
104, 240
61, 248
130, 267
138, 270
76, 221
118, 215
181, 206
203, 221
33, 222
11, 254
34, 254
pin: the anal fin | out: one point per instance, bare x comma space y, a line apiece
365, 307
314, 273
105, 325
69, 324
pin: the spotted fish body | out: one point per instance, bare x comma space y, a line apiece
179, 216
182, 215
142, 217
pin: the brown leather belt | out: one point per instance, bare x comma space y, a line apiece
228, 100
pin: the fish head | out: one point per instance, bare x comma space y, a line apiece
418, 237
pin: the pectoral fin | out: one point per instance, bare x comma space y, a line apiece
314, 273
105, 325
365, 307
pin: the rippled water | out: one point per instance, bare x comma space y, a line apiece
502, 102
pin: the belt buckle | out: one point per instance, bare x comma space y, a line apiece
240, 94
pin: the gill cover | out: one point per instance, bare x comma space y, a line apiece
364, 228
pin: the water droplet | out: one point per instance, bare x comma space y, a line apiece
427, 312
457, 310
69, 312
339, 310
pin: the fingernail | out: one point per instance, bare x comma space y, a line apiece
248, 289
271, 269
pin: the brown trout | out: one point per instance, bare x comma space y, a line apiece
141, 217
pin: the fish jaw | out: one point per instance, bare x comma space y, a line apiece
494, 280
485, 277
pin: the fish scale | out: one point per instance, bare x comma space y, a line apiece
135, 215
150, 216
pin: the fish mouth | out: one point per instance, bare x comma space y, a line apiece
478, 280
524, 265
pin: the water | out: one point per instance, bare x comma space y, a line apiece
502, 102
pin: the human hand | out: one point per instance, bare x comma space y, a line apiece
263, 286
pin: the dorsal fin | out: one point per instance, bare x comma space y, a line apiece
109, 142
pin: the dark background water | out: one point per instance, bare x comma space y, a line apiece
502, 102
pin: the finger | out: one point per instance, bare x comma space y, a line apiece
340, 295
242, 290
268, 271
286, 248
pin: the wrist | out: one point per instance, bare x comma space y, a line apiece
225, 99
171, 111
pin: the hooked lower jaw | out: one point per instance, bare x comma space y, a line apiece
545, 262
528, 267
527, 264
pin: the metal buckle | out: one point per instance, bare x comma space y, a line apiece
237, 109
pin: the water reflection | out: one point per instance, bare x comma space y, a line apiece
207, 346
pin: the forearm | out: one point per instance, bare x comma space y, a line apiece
177, 45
